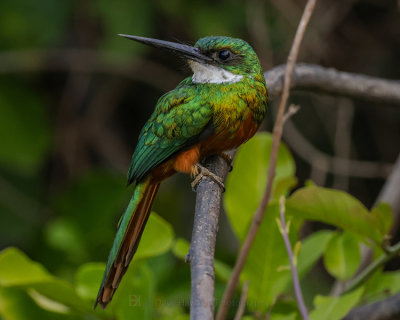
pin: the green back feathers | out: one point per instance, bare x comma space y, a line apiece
178, 121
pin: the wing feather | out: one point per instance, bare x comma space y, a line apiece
181, 119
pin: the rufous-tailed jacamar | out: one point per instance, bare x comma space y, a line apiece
216, 109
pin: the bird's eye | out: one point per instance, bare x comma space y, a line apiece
224, 55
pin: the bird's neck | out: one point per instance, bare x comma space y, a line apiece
206, 73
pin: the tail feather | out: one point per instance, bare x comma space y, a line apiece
127, 239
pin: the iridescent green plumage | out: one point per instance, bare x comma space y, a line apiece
218, 108
182, 116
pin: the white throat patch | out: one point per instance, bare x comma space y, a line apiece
205, 73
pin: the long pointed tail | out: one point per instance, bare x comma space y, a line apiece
127, 239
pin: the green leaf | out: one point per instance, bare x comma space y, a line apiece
339, 209
24, 129
312, 249
16, 304
382, 284
342, 256
291, 316
264, 264
245, 185
157, 238
335, 308
17, 269
88, 278
385, 214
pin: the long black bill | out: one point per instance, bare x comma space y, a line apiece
186, 51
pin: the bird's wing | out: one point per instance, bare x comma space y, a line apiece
181, 119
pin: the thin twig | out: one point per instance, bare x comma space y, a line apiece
242, 302
277, 134
291, 111
296, 282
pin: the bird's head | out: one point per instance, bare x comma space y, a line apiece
213, 59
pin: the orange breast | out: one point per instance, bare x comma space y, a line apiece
216, 143
225, 140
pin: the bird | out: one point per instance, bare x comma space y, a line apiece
216, 109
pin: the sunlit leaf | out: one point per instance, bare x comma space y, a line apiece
335, 308
342, 255
311, 250
385, 214
382, 284
17, 269
16, 304
246, 183
339, 209
291, 316
88, 278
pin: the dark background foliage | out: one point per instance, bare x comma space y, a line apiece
74, 96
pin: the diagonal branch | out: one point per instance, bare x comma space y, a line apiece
277, 135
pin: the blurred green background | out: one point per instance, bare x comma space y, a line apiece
74, 96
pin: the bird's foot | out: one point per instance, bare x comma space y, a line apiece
228, 159
198, 171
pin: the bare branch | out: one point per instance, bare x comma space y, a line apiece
329, 80
204, 235
277, 135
